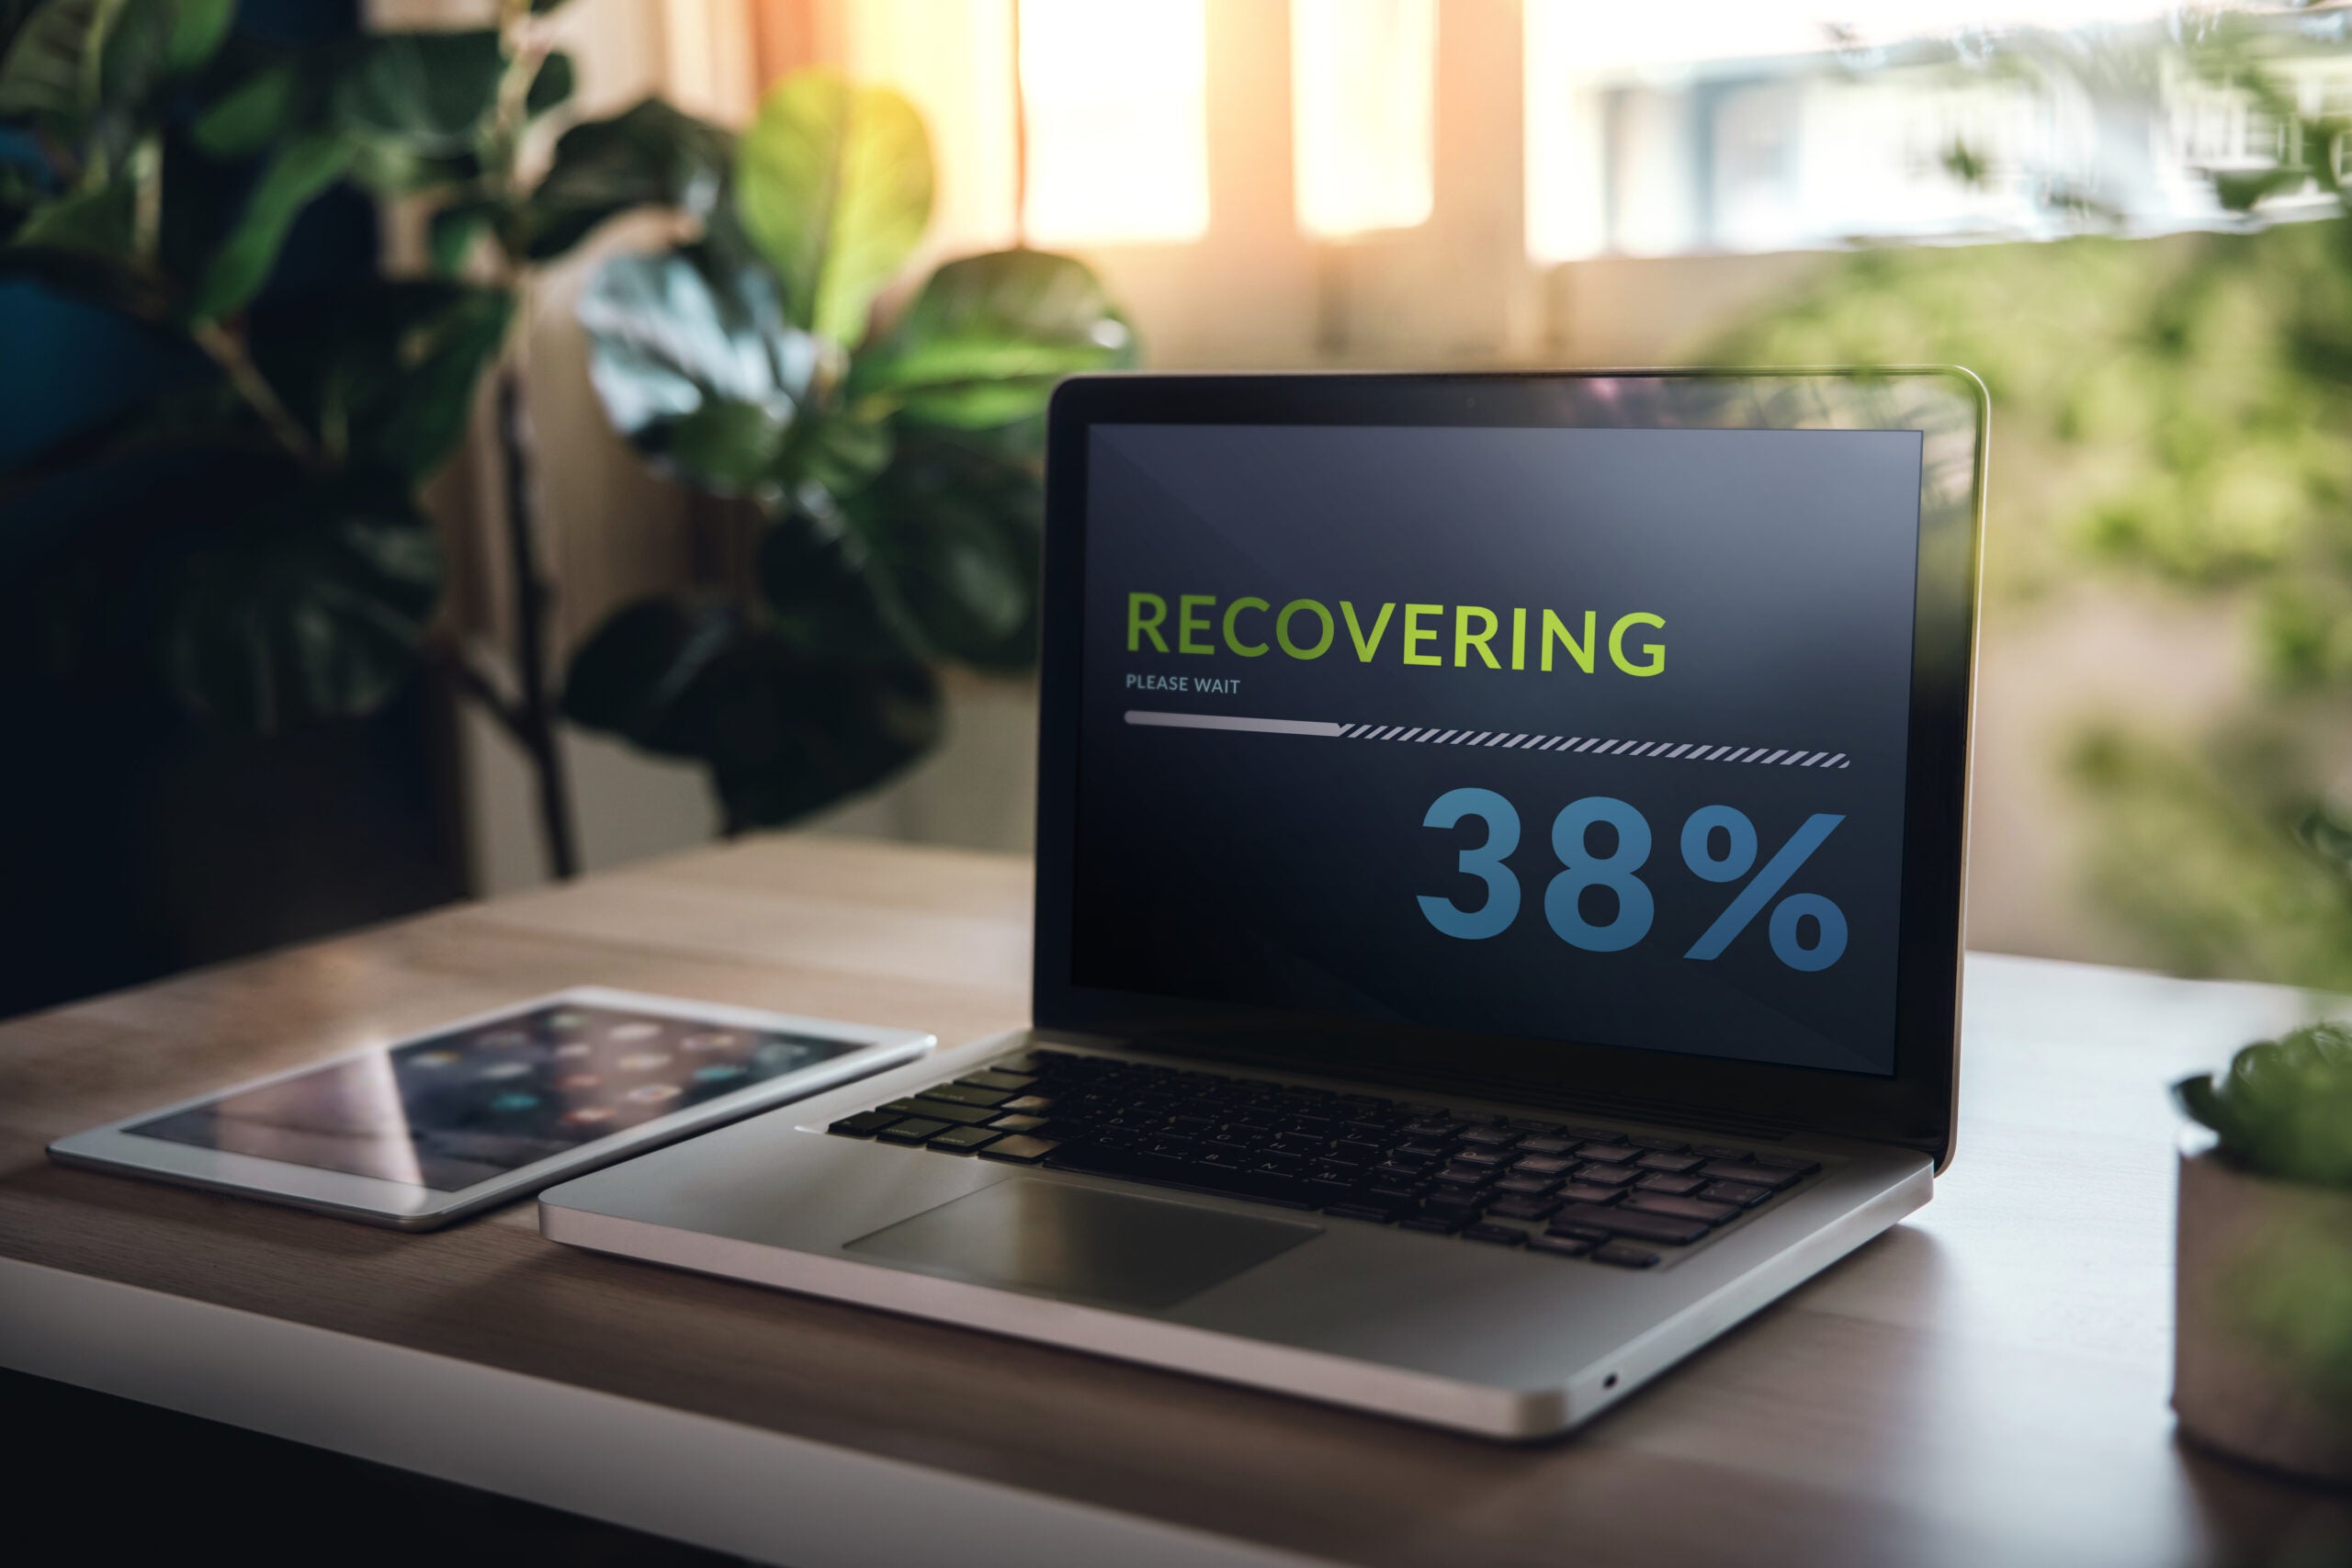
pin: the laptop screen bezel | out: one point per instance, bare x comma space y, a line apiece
1913, 1105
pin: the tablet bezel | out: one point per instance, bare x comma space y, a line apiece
1912, 1106
114, 1147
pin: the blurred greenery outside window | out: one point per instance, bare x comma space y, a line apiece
2136, 234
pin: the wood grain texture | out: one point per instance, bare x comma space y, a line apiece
1985, 1385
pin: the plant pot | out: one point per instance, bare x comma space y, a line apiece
2233, 1387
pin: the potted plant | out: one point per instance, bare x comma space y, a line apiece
875, 441
2263, 1334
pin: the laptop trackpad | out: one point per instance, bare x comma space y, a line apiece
1081, 1242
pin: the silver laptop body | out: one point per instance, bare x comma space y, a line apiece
1394, 1144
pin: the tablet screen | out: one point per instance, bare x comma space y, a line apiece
458, 1109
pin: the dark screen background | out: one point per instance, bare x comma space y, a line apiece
1285, 871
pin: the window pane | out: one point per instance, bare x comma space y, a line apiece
1117, 113
1364, 90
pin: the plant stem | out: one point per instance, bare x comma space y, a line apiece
533, 720
227, 350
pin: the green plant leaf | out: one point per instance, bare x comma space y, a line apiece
651, 156
384, 372
51, 72
2284, 1107
453, 231
93, 223
251, 114
151, 44
831, 454
311, 607
303, 169
427, 95
199, 29
989, 336
701, 374
834, 187
783, 733
951, 539
822, 603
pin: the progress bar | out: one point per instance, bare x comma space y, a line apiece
1598, 746
1222, 721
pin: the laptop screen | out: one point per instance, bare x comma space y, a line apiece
1586, 735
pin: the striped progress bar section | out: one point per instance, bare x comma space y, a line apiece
1503, 740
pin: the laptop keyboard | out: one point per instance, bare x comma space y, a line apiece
1549, 1187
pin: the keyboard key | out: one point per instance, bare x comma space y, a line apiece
1585, 1193
941, 1111
1492, 1138
1607, 1175
1542, 1165
1019, 1149
1028, 1104
965, 1094
1522, 1208
1680, 1208
1527, 1185
1606, 1153
913, 1129
1464, 1176
1018, 1123
1746, 1194
1756, 1175
997, 1077
1718, 1151
1098, 1158
1620, 1221
963, 1140
1677, 1186
1597, 1135
1560, 1245
864, 1124
1443, 1199
1672, 1164
1496, 1235
1624, 1257
1421, 1151
1485, 1159
1663, 1145
1360, 1209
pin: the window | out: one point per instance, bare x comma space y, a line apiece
1116, 104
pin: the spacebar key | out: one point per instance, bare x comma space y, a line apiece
1249, 1186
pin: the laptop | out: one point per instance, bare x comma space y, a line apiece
1498, 896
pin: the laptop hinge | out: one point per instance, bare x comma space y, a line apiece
1509, 1091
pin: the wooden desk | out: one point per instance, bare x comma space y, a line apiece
1987, 1384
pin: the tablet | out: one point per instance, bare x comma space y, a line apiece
417, 1131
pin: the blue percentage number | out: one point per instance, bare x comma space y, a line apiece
1615, 872
1738, 858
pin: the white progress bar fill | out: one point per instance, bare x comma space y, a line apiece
1223, 721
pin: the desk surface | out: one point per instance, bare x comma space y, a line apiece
1986, 1383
